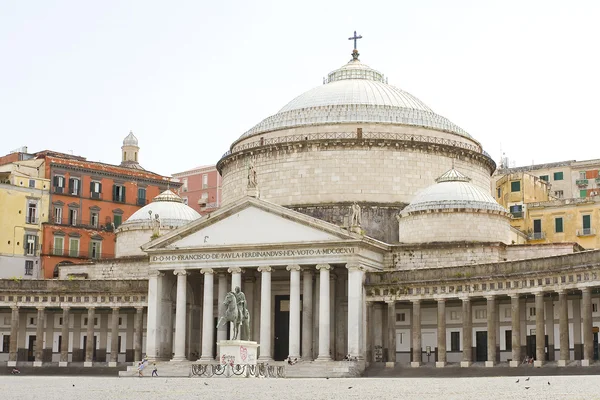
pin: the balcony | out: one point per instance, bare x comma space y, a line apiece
597, 180
141, 201
86, 255
95, 195
581, 182
536, 236
31, 220
107, 227
586, 232
58, 189
517, 214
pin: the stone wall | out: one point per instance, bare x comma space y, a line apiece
118, 268
320, 172
522, 252
409, 257
378, 220
35, 287
454, 226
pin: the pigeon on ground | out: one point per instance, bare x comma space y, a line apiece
349, 387
206, 383
517, 381
548, 383
527, 379
527, 387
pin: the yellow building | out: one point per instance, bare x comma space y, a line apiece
24, 198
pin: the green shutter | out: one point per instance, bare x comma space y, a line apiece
587, 223
114, 192
558, 225
515, 186
583, 193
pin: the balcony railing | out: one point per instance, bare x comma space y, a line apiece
586, 232
141, 201
31, 220
95, 195
598, 180
536, 236
108, 227
517, 214
71, 253
581, 182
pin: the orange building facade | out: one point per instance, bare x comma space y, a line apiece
200, 188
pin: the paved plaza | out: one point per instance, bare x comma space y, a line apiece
92, 388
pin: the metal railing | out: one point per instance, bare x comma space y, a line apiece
586, 232
77, 253
536, 236
108, 227
581, 182
141, 201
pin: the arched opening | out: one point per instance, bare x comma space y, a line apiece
124, 156
60, 264
135, 156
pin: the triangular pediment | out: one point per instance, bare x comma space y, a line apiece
251, 222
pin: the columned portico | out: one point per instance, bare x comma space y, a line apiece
441, 333
138, 333
114, 337
491, 331
307, 315
563, 328
89, 344
64, 346
355, 310
14, 332
417, 351
180, 315
294, 334
207, 315
467, 334
265, 313
540, 336
39, 337
324, 314
588, 336
391, 333
515, 311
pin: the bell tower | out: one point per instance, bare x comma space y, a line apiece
130, 152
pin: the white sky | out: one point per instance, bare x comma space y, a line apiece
189, 77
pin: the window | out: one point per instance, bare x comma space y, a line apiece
117, 220
544, 178
515, 186
558, 225
507, 311
454, 341
94, 219
532, 311
516, 210
72, 216
95, 189
141, 197
185, 200
73, 247
59, 183
582, 175
480, 314
594, 307
30, 243
204, 181
587, 224
59, 245
95, 249
454, 315
508, 339
559, 194
28, 267
119, 193
32, 183
558, 176
499, 192
184, 186
31, 217
400, 317
74, 186
58, 214
5, 343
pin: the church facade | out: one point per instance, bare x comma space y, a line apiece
361, 228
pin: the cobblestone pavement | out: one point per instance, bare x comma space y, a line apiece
91, 388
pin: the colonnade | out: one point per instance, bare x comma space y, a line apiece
300, 286
543, 326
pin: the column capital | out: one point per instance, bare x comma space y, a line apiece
293, 267
115, 309
465, 299
416, 301
265, 268
562, 292
155, 272
41, 308
490, 297
515, 296
91, 308
355, 267
441, 300
207, 271
139, 309
235, 270
14, 307
66, 308
324, 266
180, 272
390, 302
539, 294
585, 289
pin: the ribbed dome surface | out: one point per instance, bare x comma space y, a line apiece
453, 190
355, 93
170, 209
130, 140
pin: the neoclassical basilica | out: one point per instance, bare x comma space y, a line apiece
361, 228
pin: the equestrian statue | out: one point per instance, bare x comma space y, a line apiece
235, 311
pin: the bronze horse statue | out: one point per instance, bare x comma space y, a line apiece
232, 314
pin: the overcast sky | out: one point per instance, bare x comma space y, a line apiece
189, 77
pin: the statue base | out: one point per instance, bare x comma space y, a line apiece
242, 352
356, 229
252, 192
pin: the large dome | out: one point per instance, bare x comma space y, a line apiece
170, 209
355, 93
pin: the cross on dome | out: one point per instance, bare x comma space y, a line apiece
355, 38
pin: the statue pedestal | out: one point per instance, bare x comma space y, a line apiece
242, 352
356, 229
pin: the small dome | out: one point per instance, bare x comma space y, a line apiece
169, 207
130, 140
453, 190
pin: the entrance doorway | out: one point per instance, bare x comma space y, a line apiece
31, 348
481, 346
282, 327
531, 352
85, 347
595, 343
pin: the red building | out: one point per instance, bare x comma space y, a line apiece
89, 200
200, 188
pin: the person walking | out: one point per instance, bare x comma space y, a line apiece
141, 366
154, 370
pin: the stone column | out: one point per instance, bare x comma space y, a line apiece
515, 311
138, 333
114, 337
540, 337
549, 306
89, 344
180, 314
355, 307
307, 314
417, 349
294, 334
370, 356
324, 313
64, 345
441, 333
39, 337
14, 333
491, 331
576, 324
563, 328
467, 337
391, 325
588, 335
207, 315
222, 291
153, 321
265, 314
